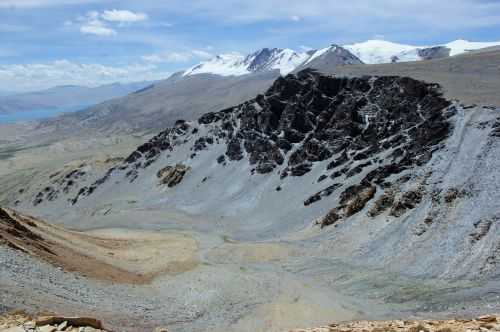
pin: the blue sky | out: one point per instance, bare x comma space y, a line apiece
51, 42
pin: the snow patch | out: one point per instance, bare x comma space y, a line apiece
381, 51
463, 46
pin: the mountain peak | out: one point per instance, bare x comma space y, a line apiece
265, 59
370, 52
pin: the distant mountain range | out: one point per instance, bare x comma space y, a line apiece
67, 97
369, 52
280, 61
189, 94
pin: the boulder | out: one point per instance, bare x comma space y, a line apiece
172, 175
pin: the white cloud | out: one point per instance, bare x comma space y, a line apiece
173, 57
165, 24
123, 16
378, 37
295, 18
98, 23
168, 57
459, 13
93, 26
64, 72
98, 30
41, 3
202, 54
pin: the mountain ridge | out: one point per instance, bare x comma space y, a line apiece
368, 52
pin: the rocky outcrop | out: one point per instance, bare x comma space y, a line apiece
308, 118
22, 322
352, 201
172, 175
482, 323
15, 232
436, 52
384, 202
481, 229
408, 200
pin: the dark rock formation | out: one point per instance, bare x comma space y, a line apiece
329, 116
15, 230
323, 193
407, 201
352, 201
481, 229
436, 52
384, 202
495, 132
172, 175
308, 118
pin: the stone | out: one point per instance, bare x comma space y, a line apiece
14, 329
409, 200
384, 202
62, 326
29, 325
47, 328
358, 202
172, 175
74, 321
331, 218
487, 318
160, 329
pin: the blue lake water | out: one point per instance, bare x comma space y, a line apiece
34, 114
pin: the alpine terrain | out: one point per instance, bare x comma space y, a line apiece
353, 187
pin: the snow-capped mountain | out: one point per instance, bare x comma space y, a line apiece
224, 64
381, 51
330, 56
463, 46
368, 52
284, 60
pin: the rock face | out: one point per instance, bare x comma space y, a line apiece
172, 175
14, 233
310, 118
331, 57
436, 52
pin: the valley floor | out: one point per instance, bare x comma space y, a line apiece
198, 281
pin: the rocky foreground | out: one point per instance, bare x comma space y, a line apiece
22, 322
483, 323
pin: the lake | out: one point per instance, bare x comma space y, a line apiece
13, 117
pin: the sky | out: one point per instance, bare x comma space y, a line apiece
44, 43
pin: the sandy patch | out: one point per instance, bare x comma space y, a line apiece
123, 256
251, 253
288, 312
